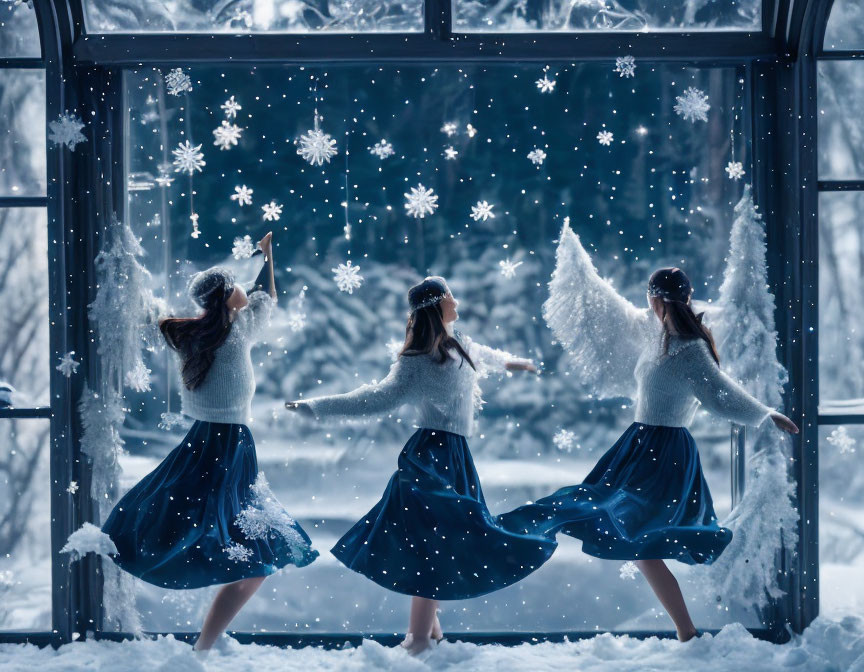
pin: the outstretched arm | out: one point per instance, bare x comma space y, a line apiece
602, 331
491, 360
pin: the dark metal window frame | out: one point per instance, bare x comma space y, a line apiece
85, 188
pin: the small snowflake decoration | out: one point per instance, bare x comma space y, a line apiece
238, 552
72, 488
272, 211
347, 277
226, 135
508, 268
483, 210
66, 130
545, 84
450, 128
243, 247
177, 82
68, 365
188, 158
243, 195
628, 570
735, 170
450, 153
537, 156
316, 146
625, 66
231, 107
564, 440
605, 138
840, 438
470, 131
296, 316
692, 105
382, 149
421, 201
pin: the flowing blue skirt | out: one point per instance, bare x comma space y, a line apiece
431, 534
646, 499
206, 516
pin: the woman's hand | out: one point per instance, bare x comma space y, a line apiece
521, 366
266, 244
784, 423
299, 407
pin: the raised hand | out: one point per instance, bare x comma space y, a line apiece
783, 423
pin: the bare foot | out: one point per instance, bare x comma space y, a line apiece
415, 647
437, 634
687, 636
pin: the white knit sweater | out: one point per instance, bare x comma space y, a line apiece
226, 393
445, 395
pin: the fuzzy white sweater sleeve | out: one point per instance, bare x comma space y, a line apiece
255, 317
490, 360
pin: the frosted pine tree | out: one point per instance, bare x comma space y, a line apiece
765, 520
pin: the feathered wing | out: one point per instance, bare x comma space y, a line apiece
602, 331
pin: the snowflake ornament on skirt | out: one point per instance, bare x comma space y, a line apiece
605, 138
625, 66
68, 365
508, 268
66, 130
265, 518
735, 170
316, 146
231, 107
382, 149
840, 438
226, 135
537, 156
243, 195
238, 552
483, 210
564, 440
243, 247
347, 277
177, 82
272, 211
692, 105
421, 201
188, 158
628, 570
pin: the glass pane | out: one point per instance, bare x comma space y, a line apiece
841, 295
841, 525
25, 522
19, 32
841, 126
641, 15
22, 132
845, 29
654, 196
260, 16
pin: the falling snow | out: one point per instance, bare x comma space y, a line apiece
508, 268
537, 156
243, 247
735, 170
564, 440
625, 66
382, 149
66, 130
72, 488
316, 147
605, 138
231, 107
68, 365
470, 131
347, 277
692, 105
177, 82
483, 210
628, 570
421, 201
272, 211
243, 195
226, 135
840, 438
188, 158
450, 128
450, 153
545, 84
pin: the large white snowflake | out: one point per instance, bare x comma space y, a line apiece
537, 156
605, 138
545, 84
243, 247
421, 201
68, 365
508, 268
272, 211
483, 210
840, 438
177, 82
450, 128
243, 195
347, 277
226, 135
450, 153
628, 570
138, 378
265, 518
735, 170
625, 66
231, 107
66, 130
382, 149
316, 147
188, 158
238, 552
564, 440
692, 105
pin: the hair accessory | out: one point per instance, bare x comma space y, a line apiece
428, 293
203, 285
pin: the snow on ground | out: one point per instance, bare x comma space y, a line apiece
827, 646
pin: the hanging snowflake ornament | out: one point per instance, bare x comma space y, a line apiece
382, 149
470, 131
692, 105
625, 66
564, 440
421, 201
243, 247
195, 230
243, 195
450, 128
231, 107
508, 268
68, 365
177, 82
545, 84
316, 146
238, 552
605, 138
272, 211
840, 438
483, 210
66, 130
347, 277
164, 179
628, 570
537, 156
226, 135
450, 153
138, 378
735, 170
188, 158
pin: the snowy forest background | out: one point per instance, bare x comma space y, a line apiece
657, 195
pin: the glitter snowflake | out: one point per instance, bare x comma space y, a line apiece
231, 107
347, 277
450, 153
450, 128
265, 518
564, 440
394, 347
138, 378
470, 131
382, 149
177, 82
605, 138
243, 247
243, 195
735, 170
508, 268
272, 211
840, 438
628, 570
537, 156
68, 365
66, 130
296, 316
188, 158
226, 135
72, 488
238, 552
692, 105
483, 210
625, 66
421, 201
316, 147
545, 84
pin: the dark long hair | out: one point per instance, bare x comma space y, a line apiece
673, 286
425, 332
198, 338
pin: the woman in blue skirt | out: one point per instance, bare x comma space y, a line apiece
646, 500
205, 515
431, 535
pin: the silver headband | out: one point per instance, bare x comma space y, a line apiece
428, 302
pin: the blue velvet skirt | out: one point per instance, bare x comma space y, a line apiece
646, 499
431, 534
205, 516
